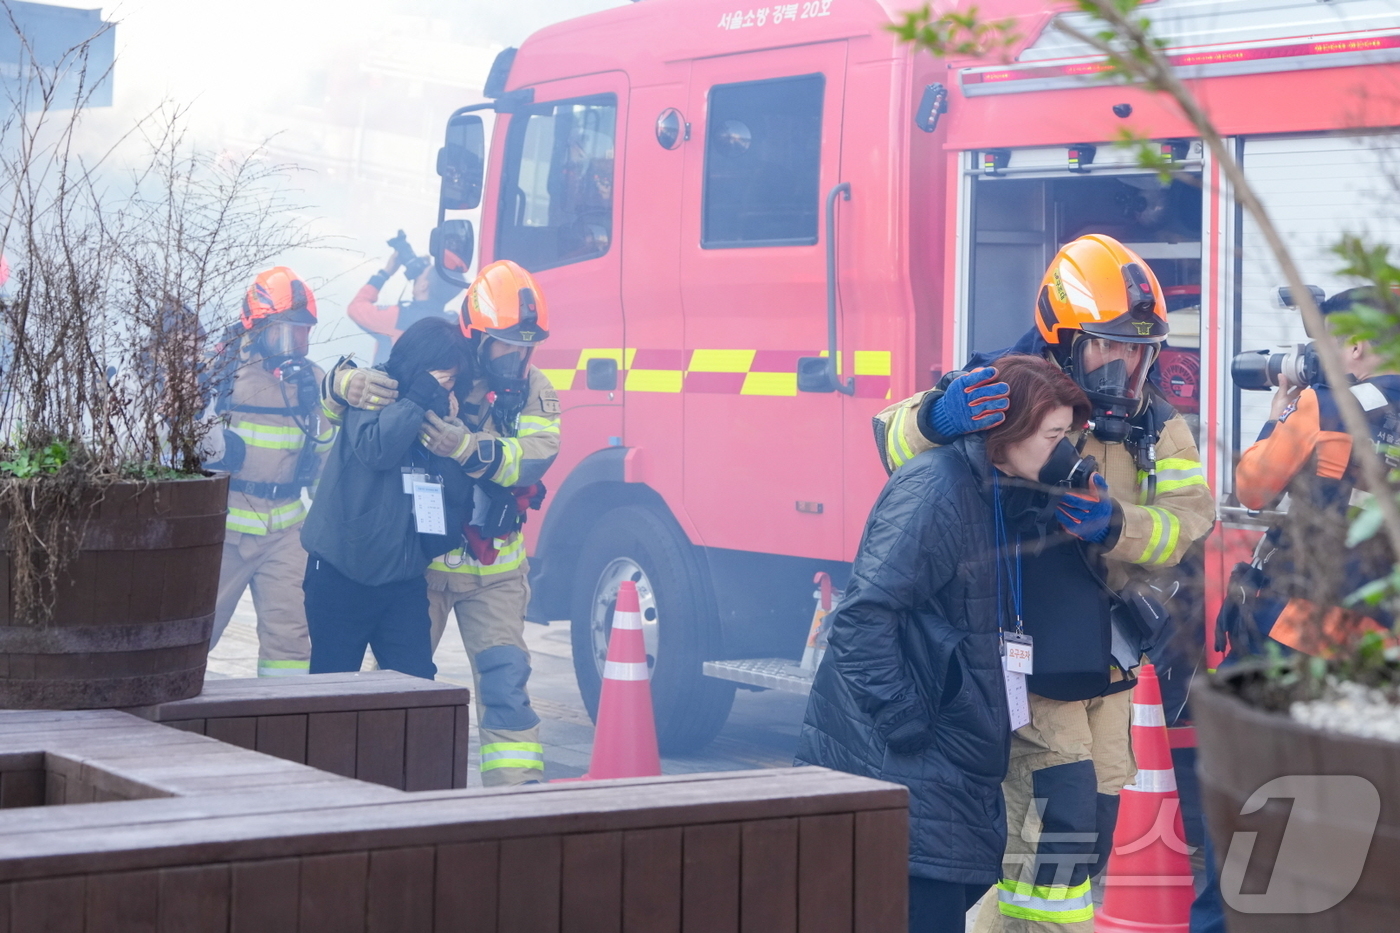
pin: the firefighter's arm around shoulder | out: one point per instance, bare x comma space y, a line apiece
1182, 512
1285, 447
348, 386
905, 429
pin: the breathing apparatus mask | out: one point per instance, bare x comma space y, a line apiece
278, 342
504, 366
1067, 468
1113, 374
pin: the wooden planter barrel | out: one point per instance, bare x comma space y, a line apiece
133, 614
1242, 748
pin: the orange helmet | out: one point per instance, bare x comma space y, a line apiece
506, 303
280, 294
1098, 286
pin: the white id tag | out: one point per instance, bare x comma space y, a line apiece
1017, 703
411, 476
428, 509
1020, 653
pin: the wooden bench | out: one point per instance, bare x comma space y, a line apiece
52, 758
768, 851
203, 836
379, 726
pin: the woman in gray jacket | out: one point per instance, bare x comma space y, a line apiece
365, 581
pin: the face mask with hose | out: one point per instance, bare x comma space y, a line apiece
507, 376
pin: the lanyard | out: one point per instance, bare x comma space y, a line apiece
1003, 560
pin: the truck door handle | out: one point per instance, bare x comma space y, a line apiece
818, 373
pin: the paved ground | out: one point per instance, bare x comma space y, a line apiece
761, 731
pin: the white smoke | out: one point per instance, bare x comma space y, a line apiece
355, 93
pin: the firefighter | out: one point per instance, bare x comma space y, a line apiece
1306, 451
1101, 316
506, 435
274, 437
429, 297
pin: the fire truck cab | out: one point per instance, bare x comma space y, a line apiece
758, 225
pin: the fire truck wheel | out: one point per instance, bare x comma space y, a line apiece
679, 623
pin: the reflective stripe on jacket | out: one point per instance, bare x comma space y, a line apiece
524, 458
510, 555
273, 444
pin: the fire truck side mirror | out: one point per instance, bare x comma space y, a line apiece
451, 244
461, 163
816, 374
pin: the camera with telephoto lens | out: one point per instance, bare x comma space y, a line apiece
413, 264
1259, 370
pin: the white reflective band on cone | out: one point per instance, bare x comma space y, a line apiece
1154, 782
1148, 714
627, 620
627, 670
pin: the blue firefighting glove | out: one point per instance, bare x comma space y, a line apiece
1086, 514
974, 401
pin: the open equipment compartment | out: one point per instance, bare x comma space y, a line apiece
1024, 207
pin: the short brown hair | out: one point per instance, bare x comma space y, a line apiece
1037, 387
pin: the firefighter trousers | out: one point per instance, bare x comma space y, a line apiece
491, 617
273, 566
1061, 788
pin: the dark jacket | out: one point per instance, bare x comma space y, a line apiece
361, 521
916, 636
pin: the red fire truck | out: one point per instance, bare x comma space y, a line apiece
759, 223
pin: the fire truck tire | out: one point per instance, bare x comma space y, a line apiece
679, 622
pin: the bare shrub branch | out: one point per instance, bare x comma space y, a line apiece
119, 278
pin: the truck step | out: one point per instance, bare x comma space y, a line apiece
765, 673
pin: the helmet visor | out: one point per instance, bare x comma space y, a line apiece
1112, 371
280, 338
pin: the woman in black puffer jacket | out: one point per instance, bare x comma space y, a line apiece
365, 580
911, 689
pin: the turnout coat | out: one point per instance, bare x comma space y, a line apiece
916, 637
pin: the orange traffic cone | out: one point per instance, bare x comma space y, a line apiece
624, 742
1147, 888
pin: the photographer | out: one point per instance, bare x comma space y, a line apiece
274, 436
1305, 450
428, 299
1101, 318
